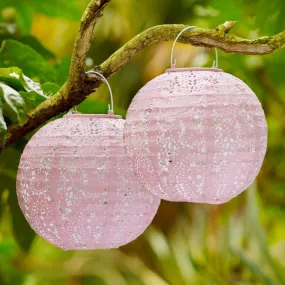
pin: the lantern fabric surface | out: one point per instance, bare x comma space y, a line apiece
75, 186
196, 135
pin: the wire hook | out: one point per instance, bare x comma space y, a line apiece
111, 109
173, 63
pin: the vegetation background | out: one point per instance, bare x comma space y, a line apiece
241, 242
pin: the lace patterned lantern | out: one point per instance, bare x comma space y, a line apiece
75, 186
196, 135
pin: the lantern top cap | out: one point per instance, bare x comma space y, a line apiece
175, 69
93, 116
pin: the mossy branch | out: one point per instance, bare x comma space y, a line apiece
75, 89
218, 38
83, 41
80, 85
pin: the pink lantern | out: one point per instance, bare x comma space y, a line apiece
196, 135
75, 186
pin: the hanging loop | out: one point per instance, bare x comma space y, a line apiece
111, 109
173, 62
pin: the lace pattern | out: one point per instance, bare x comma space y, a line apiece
76, 188
196, 136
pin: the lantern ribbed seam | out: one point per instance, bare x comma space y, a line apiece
74, 180
156, 172
203, 117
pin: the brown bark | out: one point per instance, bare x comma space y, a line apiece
80, 85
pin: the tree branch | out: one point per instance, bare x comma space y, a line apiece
80, 85
83, 40
70, 94
218, 38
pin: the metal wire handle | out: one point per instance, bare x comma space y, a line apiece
173, 64
111, 109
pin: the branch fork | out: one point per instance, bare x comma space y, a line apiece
79, 85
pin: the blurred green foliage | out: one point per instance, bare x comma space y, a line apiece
241, 242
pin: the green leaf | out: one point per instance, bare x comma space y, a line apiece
14, 100
13, 76
32, 99
7, 29
32, 92
62, 70
58, 8
24, 17
14, 53
3, 126
33, 86
30, 41
50, 89
55, 8
24, 235
36, 45
8, 272
253, 267
256, 229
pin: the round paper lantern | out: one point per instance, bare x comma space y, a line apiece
76, 188
196, 135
